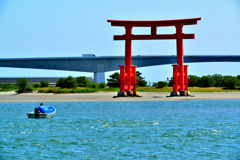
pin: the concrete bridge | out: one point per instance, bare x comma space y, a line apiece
100, 65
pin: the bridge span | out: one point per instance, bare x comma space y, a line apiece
101, 64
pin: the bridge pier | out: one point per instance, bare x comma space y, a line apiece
99, 77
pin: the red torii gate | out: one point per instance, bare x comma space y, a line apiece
128, 72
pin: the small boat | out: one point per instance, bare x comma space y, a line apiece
49, 112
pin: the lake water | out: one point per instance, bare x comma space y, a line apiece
199, 129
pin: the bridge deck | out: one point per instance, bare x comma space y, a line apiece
107, 63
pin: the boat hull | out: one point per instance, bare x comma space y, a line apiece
40, 115
49, 112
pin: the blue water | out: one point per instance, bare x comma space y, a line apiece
203, 129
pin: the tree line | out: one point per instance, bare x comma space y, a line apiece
216, 80
69, 82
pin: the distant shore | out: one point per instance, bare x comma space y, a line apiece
11, 96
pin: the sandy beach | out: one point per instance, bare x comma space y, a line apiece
108, 96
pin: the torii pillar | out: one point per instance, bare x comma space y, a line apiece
128, 72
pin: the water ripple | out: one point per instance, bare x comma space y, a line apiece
123, 130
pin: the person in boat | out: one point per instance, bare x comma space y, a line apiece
41, 108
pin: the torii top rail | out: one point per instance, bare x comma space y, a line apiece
135, 23
179, 36
153, 24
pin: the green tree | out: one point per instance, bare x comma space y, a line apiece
206, 81
68, 82
93, 85
154, 84
71, 82
230, 82
44, 84
141, 81
36, 85
114, 80
22, 84
217, 80
238, 77
102, 85
82, 81
161, 84
194, 80
61, 83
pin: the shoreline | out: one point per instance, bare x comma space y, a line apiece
11, 96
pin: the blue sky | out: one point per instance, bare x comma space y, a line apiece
70, 28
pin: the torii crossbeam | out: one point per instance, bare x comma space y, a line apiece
128, 72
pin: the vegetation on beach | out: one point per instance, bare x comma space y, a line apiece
22, 85
75, 90
139, 89
210, 83
191, 89
6, 87
216, 80
66, 90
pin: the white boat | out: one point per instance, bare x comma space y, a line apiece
49, 112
